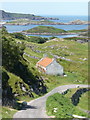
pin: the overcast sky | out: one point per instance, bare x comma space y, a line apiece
47, 8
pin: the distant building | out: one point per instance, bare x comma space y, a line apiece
49, 66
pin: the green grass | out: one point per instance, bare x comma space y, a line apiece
78, 67
77, 73
16, 88
76, 70
0, 112
62, 104
8, 112
65, 109
71, 92
84, 101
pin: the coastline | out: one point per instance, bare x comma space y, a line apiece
26, 33
28, 22
42, 23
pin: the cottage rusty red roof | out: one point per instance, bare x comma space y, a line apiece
45, 61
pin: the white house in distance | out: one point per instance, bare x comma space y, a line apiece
49, 66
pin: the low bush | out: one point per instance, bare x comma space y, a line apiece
63, 106
38, 39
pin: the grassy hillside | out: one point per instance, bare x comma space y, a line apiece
73, 62
60, 106
70, 54
84, 101
19, 82
45, 29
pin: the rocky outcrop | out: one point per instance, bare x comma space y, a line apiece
46, 33
34, 57
78, 22
76, 96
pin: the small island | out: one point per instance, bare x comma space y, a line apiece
48, 30
45, 30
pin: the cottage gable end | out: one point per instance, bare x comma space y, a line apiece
49, 66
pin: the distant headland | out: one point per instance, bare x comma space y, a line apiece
14, 16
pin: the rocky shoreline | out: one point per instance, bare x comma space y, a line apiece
26, 33
76, 22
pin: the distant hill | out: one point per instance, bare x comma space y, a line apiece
11, 16
45, 30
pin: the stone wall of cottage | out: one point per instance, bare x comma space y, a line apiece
54, 69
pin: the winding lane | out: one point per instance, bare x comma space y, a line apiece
36, 108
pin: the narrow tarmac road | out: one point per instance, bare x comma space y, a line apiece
36, 108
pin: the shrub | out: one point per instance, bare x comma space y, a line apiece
36, 39
64, 107
52, 37
18, 36
12, 52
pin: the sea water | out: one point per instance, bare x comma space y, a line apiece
65, 19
